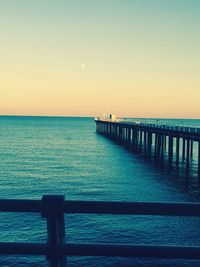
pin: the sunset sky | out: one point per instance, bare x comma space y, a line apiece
134, 58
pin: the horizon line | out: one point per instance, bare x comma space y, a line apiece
81, 116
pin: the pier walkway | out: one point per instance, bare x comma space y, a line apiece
176, 141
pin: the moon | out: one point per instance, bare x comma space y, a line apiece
83, 66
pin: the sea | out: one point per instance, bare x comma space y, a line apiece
65, 155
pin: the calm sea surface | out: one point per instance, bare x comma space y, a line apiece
51, 155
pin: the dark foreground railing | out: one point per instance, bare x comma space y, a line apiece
53, 208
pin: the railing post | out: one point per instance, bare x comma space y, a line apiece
52, 210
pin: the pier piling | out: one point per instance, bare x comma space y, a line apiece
166, 140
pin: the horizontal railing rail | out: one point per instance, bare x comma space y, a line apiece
54, 207
20, 205
132, 208
108, 250
106, 207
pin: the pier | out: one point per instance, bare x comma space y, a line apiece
174, 141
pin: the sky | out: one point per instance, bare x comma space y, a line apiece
132, 58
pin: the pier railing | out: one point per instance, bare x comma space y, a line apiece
52, 208
181, 129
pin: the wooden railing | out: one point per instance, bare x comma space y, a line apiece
53, 207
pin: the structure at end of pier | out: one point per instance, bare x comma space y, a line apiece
109, 117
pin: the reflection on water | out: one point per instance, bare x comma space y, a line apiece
185, 174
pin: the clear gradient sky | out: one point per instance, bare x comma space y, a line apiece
135, 58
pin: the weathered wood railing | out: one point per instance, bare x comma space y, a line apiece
54, 207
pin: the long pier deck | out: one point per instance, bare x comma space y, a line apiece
173, 140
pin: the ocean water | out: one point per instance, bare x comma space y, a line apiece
57, 155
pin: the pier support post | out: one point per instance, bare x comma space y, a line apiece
162, 146
188, 155
199, 158
149, 142
125, 135
159, 143
120, 134
183, 150
156, 145
164, 142
133, 139
129, 137
177, 150
52, 210
117, 132
109, 129
191, 148
170, 147
145, 141
140, 139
